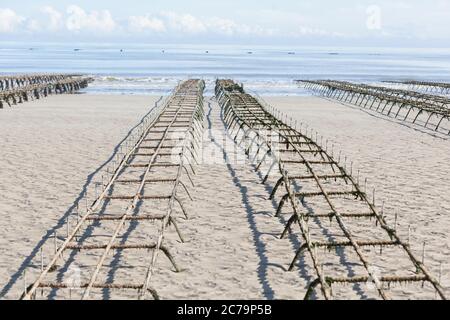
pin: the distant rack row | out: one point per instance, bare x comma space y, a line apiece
306, 172
435, 87
23, 88
427, 110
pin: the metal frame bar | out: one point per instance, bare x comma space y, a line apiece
245, 115
19, 89
186, 101
412, 102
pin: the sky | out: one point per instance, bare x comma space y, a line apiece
399, 23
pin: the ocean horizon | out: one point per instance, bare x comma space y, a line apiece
154, 69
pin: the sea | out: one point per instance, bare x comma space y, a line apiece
154, 69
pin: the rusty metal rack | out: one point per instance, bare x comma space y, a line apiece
315, 189
18, 81
429, 111
19, 89
442, 88
122, 233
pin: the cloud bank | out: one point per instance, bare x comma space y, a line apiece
96, 21
79, 21
295, 22
10, 21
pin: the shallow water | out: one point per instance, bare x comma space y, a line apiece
156, 69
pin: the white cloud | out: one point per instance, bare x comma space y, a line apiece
9, 20
401, 20
184, 22
34, 26
55, 17
224, 26
308, 31
189, 24
79, 20
144, 23
231, 28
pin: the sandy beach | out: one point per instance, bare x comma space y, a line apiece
52, 148
405, 164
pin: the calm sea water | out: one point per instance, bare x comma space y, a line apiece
155, 69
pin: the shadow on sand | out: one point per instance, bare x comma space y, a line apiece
294, 238
61, 222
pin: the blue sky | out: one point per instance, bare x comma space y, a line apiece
292, 22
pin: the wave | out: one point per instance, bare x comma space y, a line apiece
170, 80
134, 79
163, 85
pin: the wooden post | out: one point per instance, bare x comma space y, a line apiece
25, 282
409, 235
55, 241
68, 226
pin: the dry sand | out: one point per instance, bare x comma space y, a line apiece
408, 166
233, 250
50, 147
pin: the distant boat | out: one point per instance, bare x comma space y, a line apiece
76, 49
249, 52
291, 53
333, 53
206, 51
